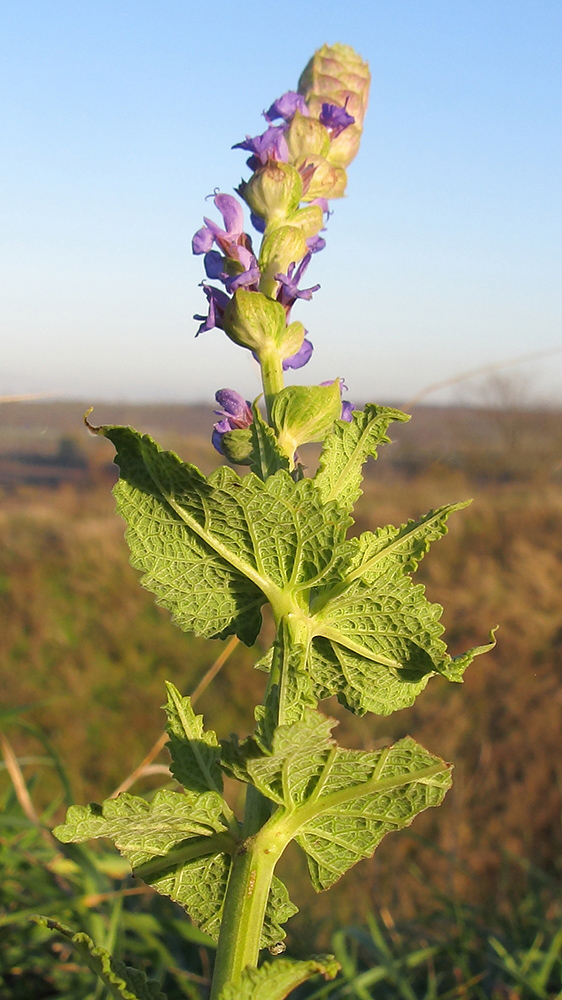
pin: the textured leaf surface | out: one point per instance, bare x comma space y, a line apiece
213, 550
120, 980
275, 980
340, 803
347, 448
393, 551
195, 752
377, 639
179, 843
267, 458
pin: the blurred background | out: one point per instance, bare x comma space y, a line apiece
440, 293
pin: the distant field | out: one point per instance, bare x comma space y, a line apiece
45, 443
82, 642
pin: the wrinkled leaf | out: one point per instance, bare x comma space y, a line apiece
275, 980
119, 979
340, 803
346, 450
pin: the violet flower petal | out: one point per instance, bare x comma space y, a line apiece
347, 409
247, 278
301, 358
286, 106
232, 213
214, 264
234, 405
316, 243
335, 119
202, 241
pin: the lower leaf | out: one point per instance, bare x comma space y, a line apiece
119, 979
275, 980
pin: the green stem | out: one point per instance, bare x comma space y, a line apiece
244, 909
271, 376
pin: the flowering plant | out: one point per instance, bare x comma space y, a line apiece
214, 550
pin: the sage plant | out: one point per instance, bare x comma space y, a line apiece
215, 550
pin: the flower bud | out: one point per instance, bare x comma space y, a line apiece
345, 146
237, 446
336, 74
309, 219
273, 192
254, 321
306, 135
292, 340
302, 414
324, 180
284, 246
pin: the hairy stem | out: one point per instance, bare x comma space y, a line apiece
271, 376
244, 909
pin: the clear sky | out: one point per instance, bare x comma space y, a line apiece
117, 120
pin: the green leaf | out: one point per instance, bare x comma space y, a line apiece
214, 550
120, 980
195, 752
267, 458
393, 551
179, 844
144, 830
340, 803
347, 448
377, 639
275, 980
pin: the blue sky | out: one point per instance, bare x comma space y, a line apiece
118, 118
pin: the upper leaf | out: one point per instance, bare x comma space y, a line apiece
377, 640
275, 980
267, 457
394, 551
214, 550
340, 803
347, 448
122, 982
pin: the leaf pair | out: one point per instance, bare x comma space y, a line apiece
337, 804
181, 843
214, 550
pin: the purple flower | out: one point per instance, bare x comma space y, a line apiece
271, 145
335, 119
286, 106
301, 358
316, 243
218, 302
257, 222
214, 264
347, 408
289, 292
233, 233
236, 412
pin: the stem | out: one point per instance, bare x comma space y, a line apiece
244, 908
271, 376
